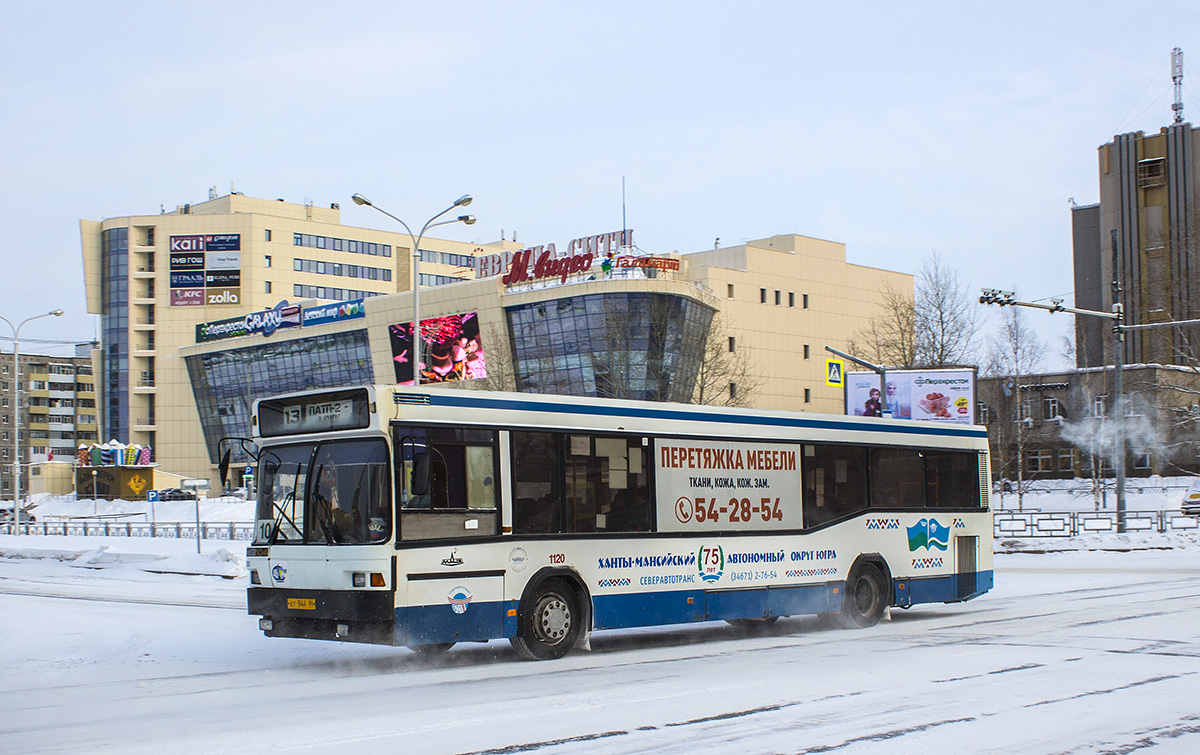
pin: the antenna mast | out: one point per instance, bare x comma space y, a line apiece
1177, 77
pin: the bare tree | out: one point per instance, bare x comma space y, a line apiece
946, 318
890, 337
1015, 351
501, 371
935, 327
727, 375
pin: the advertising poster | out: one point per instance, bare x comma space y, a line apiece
711, 486
326, 313
452, 350
926, 395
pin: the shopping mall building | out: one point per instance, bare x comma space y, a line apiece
205, 309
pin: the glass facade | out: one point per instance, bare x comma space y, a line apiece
114, 251
227, 383
620, 345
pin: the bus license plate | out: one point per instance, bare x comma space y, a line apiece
306, 604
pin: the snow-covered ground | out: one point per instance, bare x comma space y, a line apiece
130, 645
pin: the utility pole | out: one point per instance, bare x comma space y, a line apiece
1008, 298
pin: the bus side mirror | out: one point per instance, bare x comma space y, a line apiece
420, 474
224, 467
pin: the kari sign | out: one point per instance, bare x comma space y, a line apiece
215, 242
928, 395
713, 486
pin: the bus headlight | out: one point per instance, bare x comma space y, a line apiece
358, 579
266, 625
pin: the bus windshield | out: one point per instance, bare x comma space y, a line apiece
337, 492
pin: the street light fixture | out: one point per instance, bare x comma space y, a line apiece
462, 201
16, 516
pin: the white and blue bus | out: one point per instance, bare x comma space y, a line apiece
423, 518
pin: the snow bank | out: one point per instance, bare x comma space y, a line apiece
218, 558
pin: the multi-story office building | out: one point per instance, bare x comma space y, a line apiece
1142, 233
153, 278
53, 400
189, 343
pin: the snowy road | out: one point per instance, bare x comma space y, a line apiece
1090, 652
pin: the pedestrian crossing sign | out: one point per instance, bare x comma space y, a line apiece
835, 372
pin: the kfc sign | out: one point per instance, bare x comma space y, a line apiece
187, 297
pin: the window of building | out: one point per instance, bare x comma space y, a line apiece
267, 261
1026, 408
778, 298
791, 298
808, 395
762, 296
297, 264
1151, 172
733, 390
1053, 408
1127, 403
985, 413
729, 291
1040, 460
1098, 406
1141, 461
732, 346
268, 286
804, 301
268, 238
806, 351
1066, 460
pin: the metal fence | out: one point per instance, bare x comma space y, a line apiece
1006, 523
108, 528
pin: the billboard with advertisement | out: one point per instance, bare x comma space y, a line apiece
187, 280
718, 486
283, 315
187, 261
347, 310
926, 395
187, 297
453, 349
223, 260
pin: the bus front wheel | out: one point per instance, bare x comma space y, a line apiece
864, 598
551, 624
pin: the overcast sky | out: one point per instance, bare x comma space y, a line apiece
900, 129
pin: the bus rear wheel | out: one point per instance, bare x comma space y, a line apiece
864, 598
551, 624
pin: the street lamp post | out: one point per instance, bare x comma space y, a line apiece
462, 201
16, 329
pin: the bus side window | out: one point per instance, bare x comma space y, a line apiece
607, 485
897, 478
537, 498
952, 479
835, 482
